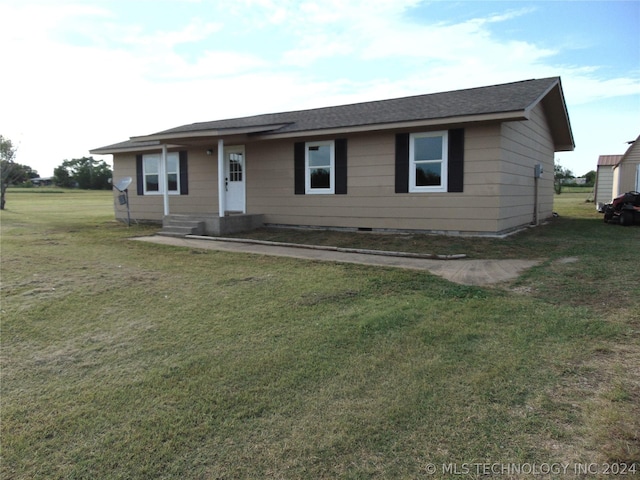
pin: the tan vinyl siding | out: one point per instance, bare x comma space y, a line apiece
371, 201
147, 208
203, 186
525, 144
498, 184
628, 170
202, 197
604, 187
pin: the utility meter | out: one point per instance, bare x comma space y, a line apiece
538, 171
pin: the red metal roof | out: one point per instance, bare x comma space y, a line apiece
609, 160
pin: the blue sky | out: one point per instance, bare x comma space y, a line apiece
88, 73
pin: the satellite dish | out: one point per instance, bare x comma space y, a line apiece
123, 184
123, 198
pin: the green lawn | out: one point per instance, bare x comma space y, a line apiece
126, 359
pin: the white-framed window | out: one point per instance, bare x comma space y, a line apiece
319, 164
428, 162
153, 170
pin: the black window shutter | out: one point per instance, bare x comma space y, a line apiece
341, 166
139, 175
184, 173
456, 160
402, 163
298, 168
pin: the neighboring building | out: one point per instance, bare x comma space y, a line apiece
617, 174
476, 161
574, 181
604, 179
626, 174
42, 181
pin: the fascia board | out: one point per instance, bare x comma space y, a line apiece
132, 148
494, 117
222, 132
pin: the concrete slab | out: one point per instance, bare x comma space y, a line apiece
462, 271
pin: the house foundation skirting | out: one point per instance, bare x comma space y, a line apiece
398, 231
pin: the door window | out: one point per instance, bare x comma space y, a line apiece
235, 167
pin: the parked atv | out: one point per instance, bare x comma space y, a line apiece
624, 209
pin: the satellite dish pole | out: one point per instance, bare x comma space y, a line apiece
126, 200
122, 187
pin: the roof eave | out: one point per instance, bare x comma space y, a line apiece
221, 132
558, 116
564, 148
632, 146
271, 131
435, 122
131, 148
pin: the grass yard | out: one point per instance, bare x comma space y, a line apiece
126, 359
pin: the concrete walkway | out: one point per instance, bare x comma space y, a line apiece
454, 269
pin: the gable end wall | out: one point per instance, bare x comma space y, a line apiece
628, 171
525, 144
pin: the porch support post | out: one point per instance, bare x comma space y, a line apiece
164, 184
221, 179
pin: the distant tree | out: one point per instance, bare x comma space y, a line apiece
560, 174
62, 177
85, 172
11, 173
590, 177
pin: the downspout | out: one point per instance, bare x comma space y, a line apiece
163, 181
221, 179
535, 201
595, 188
537, 173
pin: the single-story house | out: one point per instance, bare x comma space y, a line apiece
477, 161
604, 179
626, 174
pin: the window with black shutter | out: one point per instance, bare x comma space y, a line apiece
430, 162
320, 167
149, 171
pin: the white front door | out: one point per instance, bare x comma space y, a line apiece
234, 179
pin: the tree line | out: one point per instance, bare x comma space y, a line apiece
86, 172
563, 176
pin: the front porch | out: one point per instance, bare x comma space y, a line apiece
213, 225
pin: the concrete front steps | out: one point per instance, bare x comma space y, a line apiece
181, 225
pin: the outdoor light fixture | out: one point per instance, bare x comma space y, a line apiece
209, 152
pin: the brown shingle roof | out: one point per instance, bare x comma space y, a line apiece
516, 98
510, 97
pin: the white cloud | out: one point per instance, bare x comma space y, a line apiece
316, 47
134, 36
84, 78
584, 85
443, 55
